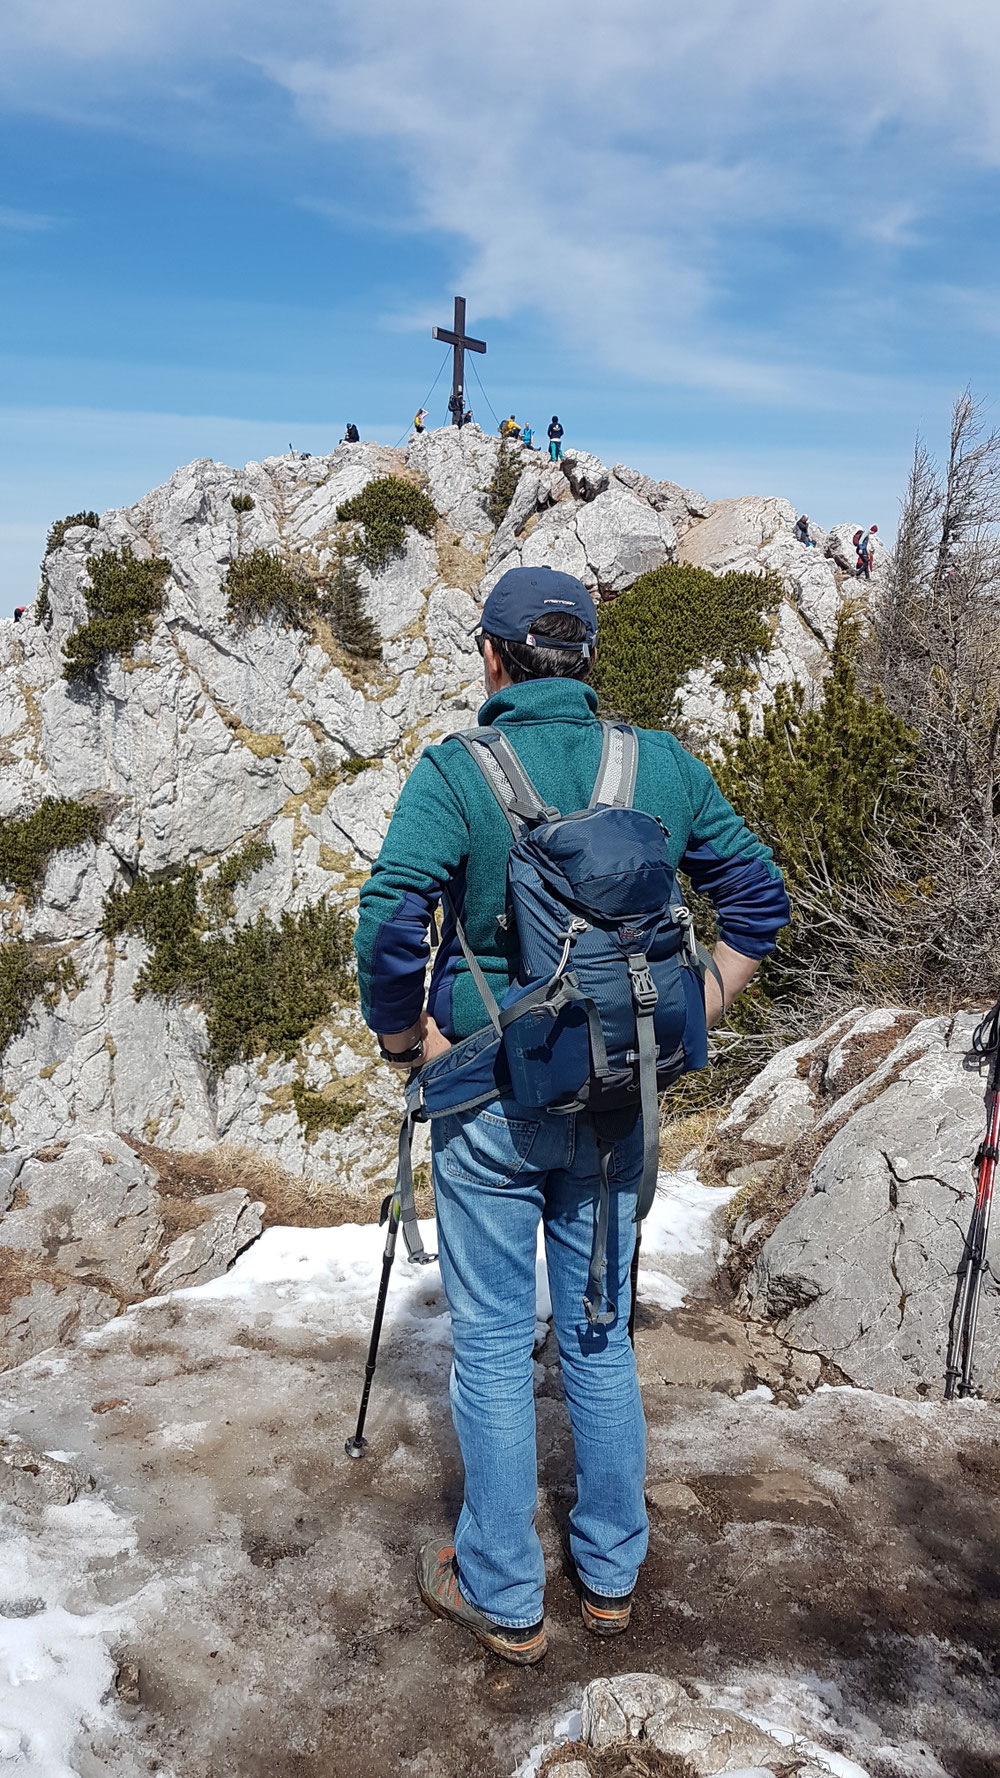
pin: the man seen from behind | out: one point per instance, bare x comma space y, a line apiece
502, 1168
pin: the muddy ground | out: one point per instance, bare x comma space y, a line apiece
265, 1592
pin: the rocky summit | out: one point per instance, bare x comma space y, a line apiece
209, 733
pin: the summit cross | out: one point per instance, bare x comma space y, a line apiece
460, 343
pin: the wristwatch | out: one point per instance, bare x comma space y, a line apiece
402, 1058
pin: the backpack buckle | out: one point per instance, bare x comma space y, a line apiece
643, 987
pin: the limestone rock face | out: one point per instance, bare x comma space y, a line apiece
82, 1235
90, 1207
232, 1221
880, 1118
215, 733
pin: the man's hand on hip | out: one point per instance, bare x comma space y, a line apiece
425, 1032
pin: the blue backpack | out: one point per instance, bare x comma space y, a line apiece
607, 1007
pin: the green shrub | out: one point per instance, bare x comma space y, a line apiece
343, 605
28, 973
43, 605
263, 986
124, 597
316, 1113
166, 913
27, 842
503, 485
820, 785
673, 619
349, 768
58, 530
262, 585
242, 502
239, 867
384, 508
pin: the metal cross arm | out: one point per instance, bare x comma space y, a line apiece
460, 343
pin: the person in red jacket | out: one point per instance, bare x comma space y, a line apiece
863, 543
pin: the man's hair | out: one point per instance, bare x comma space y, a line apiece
523, 662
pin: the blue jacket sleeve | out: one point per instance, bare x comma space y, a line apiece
725, 861
428, 839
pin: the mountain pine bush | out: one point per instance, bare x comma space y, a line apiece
123, 599
263, 985
384, 508
503, 485
27, 842
674, 619
58, 530
29, 973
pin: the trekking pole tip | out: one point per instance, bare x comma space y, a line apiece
356, 1447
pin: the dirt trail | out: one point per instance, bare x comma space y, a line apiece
269, 1599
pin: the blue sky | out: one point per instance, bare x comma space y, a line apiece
752, 248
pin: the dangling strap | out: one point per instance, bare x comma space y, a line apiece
594, 1295
614, 785
403, 1193
521, 804
486, 994
644, 998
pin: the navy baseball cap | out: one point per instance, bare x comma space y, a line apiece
523, 595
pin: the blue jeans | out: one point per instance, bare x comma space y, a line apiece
496, 1172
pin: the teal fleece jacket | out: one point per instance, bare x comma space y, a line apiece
447, 829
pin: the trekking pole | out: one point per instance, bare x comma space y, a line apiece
974, 1262
356, 1446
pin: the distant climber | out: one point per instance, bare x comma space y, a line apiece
19, 611
802, 531
555, 439
467, 417
510, 428
418, 420
456, 408
864, 544
352, 435
527, 436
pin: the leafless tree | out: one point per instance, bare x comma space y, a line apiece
935, 653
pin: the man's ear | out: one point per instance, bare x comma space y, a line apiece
492, 663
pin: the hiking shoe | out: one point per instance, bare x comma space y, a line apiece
604, 1615
437, 1578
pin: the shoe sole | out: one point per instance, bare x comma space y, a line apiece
528, 1654
605, 1623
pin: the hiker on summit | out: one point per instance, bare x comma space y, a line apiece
419, 418
801, 532
510, 428
511, 1147
864, 543
352, 435
555, 439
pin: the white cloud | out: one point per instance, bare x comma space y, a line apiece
622, 170
24, 221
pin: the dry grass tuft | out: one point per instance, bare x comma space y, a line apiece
289, 1200
684, 1140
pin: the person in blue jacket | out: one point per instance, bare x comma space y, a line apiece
501, 1169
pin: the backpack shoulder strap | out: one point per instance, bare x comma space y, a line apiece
616, 774
507, 778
